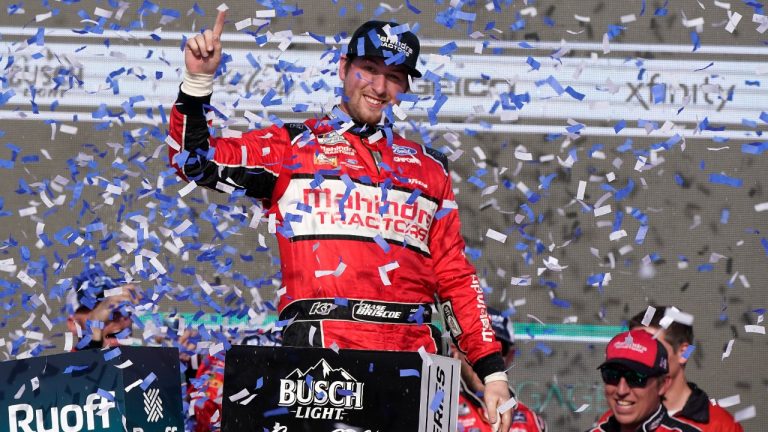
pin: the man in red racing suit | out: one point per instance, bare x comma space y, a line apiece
366, 221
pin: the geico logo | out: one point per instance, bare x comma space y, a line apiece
68, 418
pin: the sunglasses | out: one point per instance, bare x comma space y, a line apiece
612, 376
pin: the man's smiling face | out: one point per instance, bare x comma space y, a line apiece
369, 86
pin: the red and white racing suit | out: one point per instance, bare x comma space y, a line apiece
368, 232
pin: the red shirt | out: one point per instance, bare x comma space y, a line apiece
472, 416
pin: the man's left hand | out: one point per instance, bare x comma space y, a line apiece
496, 393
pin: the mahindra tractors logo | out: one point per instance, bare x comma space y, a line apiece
321, 392
367, 310
69, 418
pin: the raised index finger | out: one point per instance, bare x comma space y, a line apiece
218, 28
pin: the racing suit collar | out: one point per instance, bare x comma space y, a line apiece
697, 406
362, 130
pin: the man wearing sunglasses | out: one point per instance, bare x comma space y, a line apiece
683, 399
636, 377
472, 410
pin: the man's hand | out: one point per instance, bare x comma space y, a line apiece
496, 394
107, 312
202, 54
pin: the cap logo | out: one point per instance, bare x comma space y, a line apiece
393, 43
628, 343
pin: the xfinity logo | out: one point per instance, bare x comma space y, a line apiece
363, 310
69, 418
321, 392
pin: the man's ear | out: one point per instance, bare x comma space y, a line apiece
680, 351
343, 67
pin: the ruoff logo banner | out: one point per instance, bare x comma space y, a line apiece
315, 389
86, 391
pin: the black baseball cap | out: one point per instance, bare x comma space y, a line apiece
384, 39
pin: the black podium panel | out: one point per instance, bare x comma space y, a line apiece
287, 389
93, 390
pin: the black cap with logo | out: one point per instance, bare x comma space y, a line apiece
386, 40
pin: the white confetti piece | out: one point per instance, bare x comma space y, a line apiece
678, 316
20, 391
35, 383
729, 401
133, 385
745, 414
43, 17
126, 364
617, 235
582, 408
239, 395
524, 156
189, 187
67, 129
243, 24
584, 19
26, 279
648, 317
582, 189
509, 404
68, 341
424, 356
626, 19
270, 13
383, 270
521, 281
337, 272
761, 207
754, 329
553, 264
733, 20
495, 235
728, 349
602, 211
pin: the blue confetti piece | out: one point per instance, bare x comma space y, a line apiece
574, 94
545, 181
641, 233
111, 354
725, 214
544, 348
409, 373
754, 148
764, 116
688, 351
619, 126
706, 268
5, 97
533, 63
525, 45
382, 243
148, 381
764, 242
341, 301
725, 180
69, 369
561, 303
259, 383
695, 40
448, 48
659, 93
105, 394
437, 400
268, 100
276, 412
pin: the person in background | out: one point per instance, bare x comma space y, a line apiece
636, 378
684, 399
472, 412
100, 309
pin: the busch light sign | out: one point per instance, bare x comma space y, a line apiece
314, 389
127, 388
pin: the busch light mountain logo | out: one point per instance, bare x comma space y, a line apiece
321, 392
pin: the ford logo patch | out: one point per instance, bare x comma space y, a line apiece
403, 151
